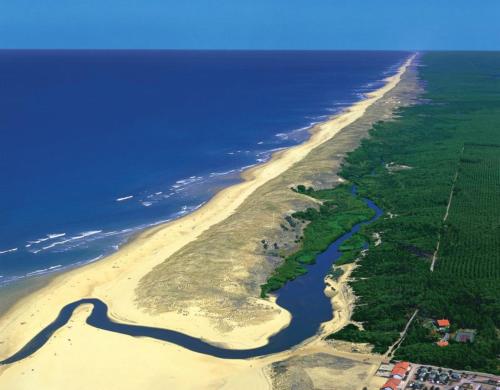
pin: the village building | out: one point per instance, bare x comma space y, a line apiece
398, 373
443, 324
385, 369
442, 343
465, 335
400, 370
391, 384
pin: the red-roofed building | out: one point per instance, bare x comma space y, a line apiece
405, 365
443, 323
442, 343
400, 369
398, 373
391, 384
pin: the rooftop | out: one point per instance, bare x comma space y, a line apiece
391, 384
443, 323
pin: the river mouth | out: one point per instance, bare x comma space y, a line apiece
303, 297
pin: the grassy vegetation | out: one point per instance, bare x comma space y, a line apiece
351, 249
338, 213
435, 139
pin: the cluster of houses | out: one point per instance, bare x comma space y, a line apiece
414, 376
443, 327
436, 376
398, 373
461, 336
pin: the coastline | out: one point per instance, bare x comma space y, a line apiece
115, 278
13, 292
167, 183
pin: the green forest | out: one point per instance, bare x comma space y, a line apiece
453, 132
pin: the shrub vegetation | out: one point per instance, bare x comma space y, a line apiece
339, 212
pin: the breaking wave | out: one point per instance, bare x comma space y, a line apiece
8, 251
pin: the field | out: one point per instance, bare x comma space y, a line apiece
474, 217
408, 167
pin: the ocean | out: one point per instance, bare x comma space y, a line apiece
99, 145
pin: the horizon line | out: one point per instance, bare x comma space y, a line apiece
244, 49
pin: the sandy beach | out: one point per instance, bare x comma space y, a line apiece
106, 360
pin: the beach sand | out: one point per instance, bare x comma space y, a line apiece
79, 356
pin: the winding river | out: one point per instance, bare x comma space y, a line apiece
303, 297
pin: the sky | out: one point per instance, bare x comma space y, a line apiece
250, 24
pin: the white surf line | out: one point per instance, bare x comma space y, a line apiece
450, 198
8, 251
124, 198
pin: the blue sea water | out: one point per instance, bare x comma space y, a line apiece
97, 145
